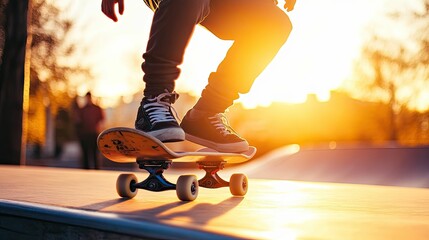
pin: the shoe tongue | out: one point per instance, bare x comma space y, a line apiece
164, 99
171, 97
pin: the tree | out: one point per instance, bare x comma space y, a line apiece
47, 71
12, 80
392, 68
383, 72
50, 68
421, 17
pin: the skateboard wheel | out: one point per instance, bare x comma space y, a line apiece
125, 185
187, 187
238, 184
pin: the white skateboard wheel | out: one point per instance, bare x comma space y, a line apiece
187, 187
124, 185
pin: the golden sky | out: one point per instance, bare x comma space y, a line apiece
317, 58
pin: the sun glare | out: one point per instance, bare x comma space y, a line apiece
316, 59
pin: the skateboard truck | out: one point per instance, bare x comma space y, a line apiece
126, 145
238, 182
212, 179
156, 181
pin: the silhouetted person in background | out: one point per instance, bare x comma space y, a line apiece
88, 120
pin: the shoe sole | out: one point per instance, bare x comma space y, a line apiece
220, 147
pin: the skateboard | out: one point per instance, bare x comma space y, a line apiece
126, 145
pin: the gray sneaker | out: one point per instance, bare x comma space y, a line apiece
155, 117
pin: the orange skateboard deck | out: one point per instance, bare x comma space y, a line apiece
125, 145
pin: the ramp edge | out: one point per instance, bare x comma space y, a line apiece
107, 222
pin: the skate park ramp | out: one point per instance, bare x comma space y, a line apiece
53, 203
390, 166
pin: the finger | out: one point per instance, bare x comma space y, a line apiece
103, 8
288, 6
112, 15
108, 8
121, 6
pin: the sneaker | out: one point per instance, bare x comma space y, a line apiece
212, 131
155, 117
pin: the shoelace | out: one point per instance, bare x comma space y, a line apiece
159, 109
220, 122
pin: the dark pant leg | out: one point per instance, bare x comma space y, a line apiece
259, 29
93, 150
172, 27
85, 152
89, 151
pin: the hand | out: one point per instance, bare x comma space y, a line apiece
108, 8
289, 5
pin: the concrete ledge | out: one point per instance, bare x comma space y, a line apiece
21, 220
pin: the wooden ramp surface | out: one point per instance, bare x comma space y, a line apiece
270, 210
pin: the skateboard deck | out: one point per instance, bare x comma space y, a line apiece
125, 145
